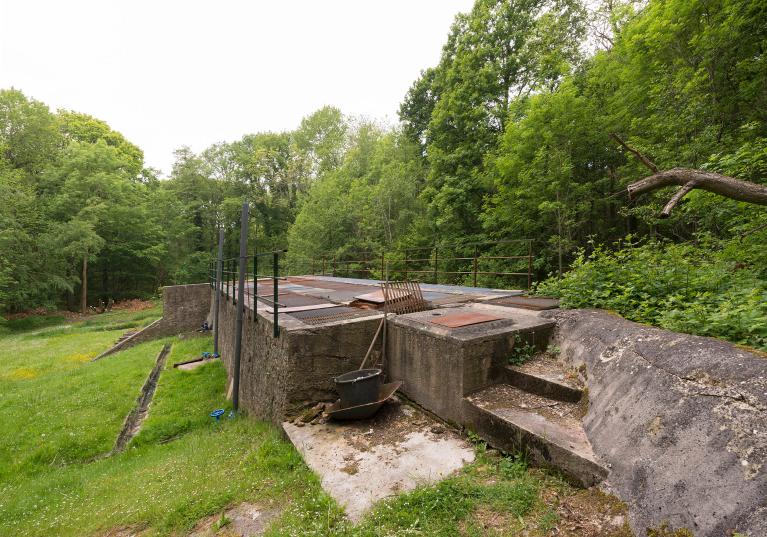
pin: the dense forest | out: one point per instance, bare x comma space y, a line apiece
507, 137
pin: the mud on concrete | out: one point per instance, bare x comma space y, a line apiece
362, 462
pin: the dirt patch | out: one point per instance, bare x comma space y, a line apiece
244, 520
389, 426
588, 513
504, 396
134, 304
492, 522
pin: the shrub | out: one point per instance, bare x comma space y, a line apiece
693, 287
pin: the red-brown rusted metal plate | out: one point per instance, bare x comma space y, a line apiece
456, 320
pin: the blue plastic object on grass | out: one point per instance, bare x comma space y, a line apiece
217, 413
206, 355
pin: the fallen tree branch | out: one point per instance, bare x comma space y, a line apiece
682, 192
689, 179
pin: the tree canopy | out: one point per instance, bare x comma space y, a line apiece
506, 137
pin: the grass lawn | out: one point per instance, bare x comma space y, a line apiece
60, 415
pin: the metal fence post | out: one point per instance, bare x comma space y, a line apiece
436, 277
226, 278
275, 292
219, 269
529, 265
405, 264
475, 265
240, 307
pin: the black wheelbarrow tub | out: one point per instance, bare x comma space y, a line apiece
361, 412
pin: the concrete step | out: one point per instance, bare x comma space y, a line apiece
548, 431
544, 375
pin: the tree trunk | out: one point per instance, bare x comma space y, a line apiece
84, 292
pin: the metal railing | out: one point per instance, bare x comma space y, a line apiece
230, 282
488, 262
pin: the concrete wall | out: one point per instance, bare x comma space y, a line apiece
185, 308
439, 366
280, 375
680, 420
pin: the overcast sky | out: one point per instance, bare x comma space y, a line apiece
172, 73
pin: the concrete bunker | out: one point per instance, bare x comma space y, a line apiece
671, 423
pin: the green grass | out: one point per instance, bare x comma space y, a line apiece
184, 399
60, 415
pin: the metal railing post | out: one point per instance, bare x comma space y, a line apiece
383, 274
475, 265
275, 293
240, 307
529, 265
436, 258
219, 269
406, 265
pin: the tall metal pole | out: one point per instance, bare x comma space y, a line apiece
276, 292
240, 307
219, 270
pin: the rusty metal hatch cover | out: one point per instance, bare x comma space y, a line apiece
459, 319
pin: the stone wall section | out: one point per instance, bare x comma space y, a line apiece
185, 308
278, 376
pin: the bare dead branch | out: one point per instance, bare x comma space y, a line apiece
688, 179
682, 192
643, 159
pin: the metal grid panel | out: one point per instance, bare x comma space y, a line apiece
340, 313
403, 297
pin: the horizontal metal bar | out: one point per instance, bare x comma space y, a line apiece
480, 258
270, 301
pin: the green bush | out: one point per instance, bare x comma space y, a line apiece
696, 288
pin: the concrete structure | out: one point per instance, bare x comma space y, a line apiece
680, 420
439, 366
185, 308
673, 424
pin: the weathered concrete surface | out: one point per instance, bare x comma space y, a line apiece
362, 462
185, 308
680, 420
549, 432
440, 365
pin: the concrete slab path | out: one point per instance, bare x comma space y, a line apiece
362, 462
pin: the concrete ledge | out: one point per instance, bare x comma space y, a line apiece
681, 420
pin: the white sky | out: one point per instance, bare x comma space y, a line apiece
172, 73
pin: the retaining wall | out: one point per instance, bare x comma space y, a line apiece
280, 375
680, 420
185, 308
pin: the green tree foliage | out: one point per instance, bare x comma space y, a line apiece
368, 203
507, 137
684, 287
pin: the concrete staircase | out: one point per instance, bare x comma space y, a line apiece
537, 410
